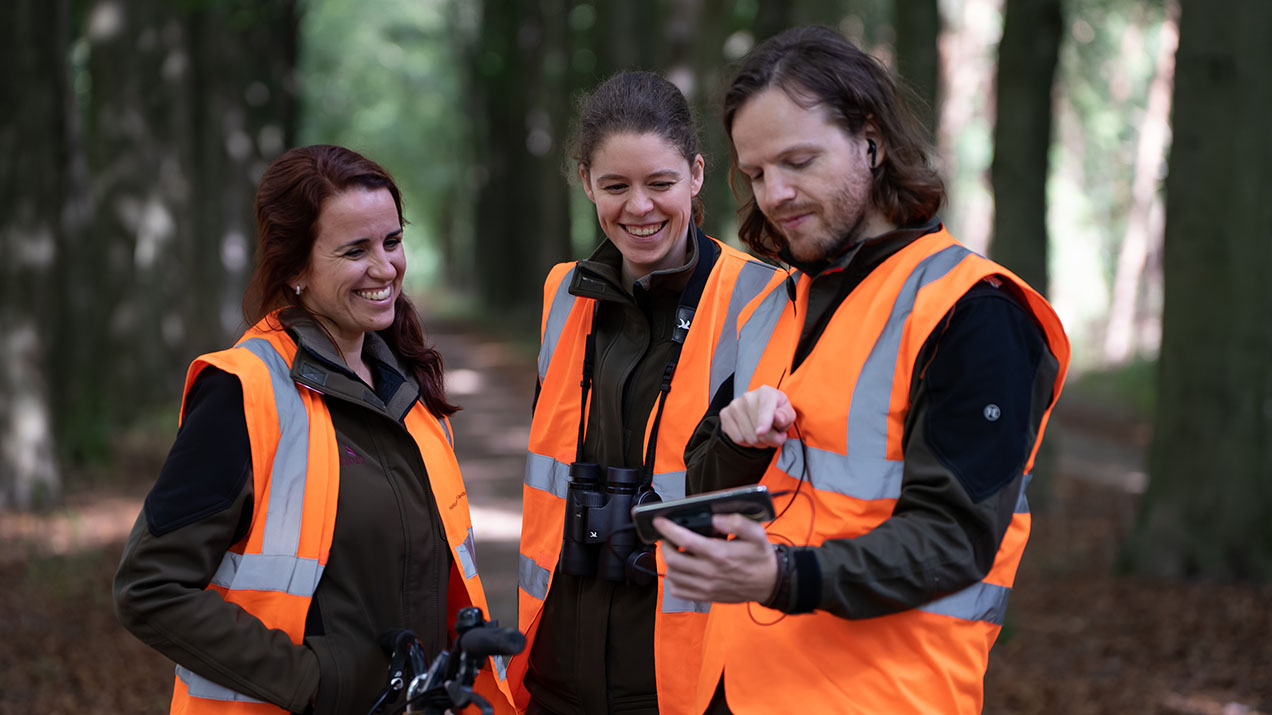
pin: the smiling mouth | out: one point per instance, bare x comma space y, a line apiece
374, 294
644, 231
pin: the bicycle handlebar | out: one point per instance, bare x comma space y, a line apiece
485, 641
447, 682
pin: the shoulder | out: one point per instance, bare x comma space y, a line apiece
558, 273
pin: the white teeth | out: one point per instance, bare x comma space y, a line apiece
374, 294
645, 230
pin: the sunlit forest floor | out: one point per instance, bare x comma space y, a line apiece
1078, 639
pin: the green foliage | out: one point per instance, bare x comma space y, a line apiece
1102, 82
381, 78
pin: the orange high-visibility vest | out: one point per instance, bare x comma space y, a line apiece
275, 570
851, 395
706, 360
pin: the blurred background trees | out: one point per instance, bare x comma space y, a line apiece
134, 134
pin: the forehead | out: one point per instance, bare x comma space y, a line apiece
770, 121
357, 210
636, 152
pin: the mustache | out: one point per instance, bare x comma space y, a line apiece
790, 210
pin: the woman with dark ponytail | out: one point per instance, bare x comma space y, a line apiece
648, 324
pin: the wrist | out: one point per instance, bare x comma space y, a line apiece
780, 595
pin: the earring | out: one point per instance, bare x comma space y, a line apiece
297, 289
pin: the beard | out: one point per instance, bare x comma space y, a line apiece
839, 223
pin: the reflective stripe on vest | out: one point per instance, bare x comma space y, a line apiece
533, 578
277, 567
562, 304
467, 552
200, 687
291, 461
450, 438
752, 344
751, 280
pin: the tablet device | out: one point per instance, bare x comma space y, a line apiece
694, 513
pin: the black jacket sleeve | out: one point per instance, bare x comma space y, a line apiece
200, 506
980, 389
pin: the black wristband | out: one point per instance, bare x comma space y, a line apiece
807, 577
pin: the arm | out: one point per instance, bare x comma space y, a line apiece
961, 480
201, 505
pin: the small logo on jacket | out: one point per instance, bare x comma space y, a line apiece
348, 456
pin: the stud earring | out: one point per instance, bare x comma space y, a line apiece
297, 290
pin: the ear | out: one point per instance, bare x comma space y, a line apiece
587, 183
870, 133
697, 173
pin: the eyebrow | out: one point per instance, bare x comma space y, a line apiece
366, 239
786, 152
669, 173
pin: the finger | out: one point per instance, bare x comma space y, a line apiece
731, 425
740, 526
681, 538
784, 412
764, 403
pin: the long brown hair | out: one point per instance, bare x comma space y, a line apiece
289, 202
638, 103
815, 65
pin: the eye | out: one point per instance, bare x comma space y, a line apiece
799, 163
393, 242
662, 185
614, 188
355, 252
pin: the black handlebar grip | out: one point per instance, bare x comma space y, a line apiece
490, 640
394, 639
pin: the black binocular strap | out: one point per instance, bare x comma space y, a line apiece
685, 308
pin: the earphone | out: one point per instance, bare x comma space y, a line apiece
871, 149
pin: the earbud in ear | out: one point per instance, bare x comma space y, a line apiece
872, 150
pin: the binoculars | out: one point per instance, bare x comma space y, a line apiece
599, 538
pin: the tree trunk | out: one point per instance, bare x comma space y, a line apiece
1207, 512
1027, 58
510, 195
34, 183
918, 57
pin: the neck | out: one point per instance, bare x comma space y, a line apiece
350, 348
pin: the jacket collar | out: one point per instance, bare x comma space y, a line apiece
319, 366
600, 275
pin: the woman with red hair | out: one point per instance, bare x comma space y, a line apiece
332, 404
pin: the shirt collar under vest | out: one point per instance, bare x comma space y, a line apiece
600, 275
319, 366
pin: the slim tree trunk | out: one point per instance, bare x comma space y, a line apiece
34, 187
918, 60
1027, 58
1207, 512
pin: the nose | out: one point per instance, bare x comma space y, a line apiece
380, 267
775, 191
638, 202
